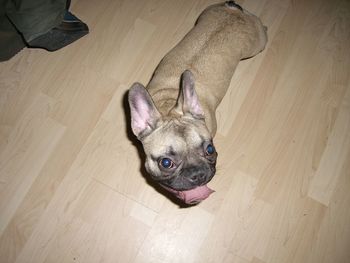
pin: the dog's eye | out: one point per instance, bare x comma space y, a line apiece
166, 163
210, 149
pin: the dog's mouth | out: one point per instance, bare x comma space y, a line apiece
192, 196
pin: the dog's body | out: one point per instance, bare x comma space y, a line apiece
176, 125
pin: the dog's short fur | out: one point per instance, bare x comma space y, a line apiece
174, 116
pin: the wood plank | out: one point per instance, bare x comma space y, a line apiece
30, 145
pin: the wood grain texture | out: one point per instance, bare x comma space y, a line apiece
72, 186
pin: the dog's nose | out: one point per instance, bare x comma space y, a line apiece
195, 176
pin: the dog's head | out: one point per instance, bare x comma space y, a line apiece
180, 154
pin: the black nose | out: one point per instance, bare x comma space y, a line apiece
195, 175
197, 178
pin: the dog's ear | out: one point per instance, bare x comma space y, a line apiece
188, 102
144, 114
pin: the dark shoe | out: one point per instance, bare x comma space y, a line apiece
70, 30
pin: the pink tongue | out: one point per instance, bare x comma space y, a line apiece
192, 196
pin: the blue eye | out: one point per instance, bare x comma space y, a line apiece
166, 163
210, 149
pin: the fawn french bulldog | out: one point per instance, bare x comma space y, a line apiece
174, 115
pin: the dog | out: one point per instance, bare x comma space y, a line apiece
174, 116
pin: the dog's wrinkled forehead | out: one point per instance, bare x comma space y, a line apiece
176, 136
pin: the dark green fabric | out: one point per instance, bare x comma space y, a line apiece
35, 17
10, 40
23, 20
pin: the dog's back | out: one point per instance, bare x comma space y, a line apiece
223, 35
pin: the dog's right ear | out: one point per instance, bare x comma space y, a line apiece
144, 114
188, 101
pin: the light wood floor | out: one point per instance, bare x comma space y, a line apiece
71, 187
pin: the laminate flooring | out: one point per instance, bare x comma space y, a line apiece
72, 186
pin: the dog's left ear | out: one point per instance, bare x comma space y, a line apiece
188, 102
144, 114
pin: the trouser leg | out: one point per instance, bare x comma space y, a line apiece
35, 17
42, 24
11, 41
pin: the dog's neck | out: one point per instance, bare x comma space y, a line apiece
164, 99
